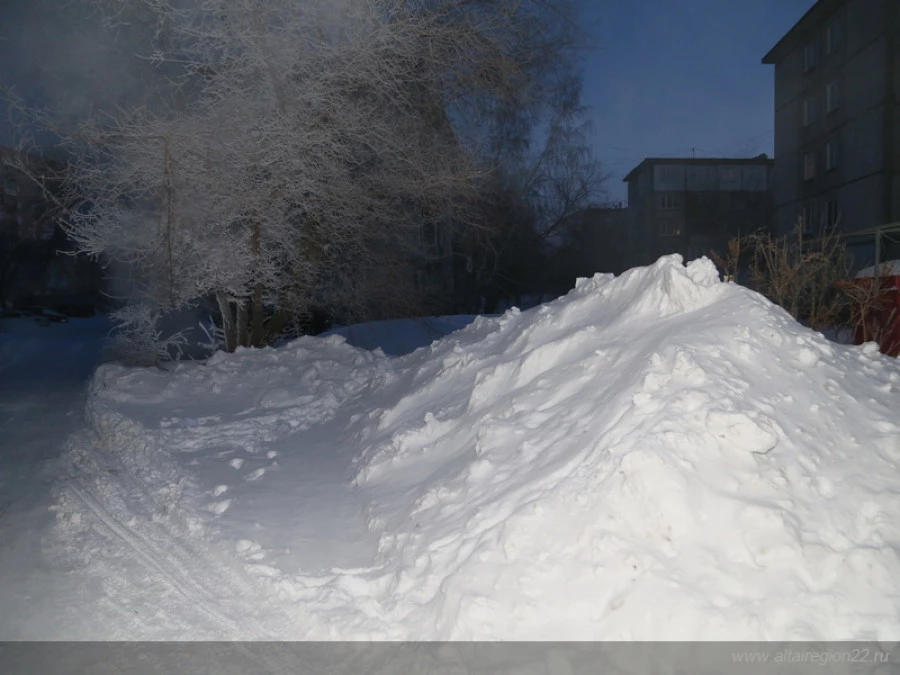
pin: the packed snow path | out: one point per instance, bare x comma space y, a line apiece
43, 377
658, 456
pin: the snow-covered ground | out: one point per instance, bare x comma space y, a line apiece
43, 372
658, 456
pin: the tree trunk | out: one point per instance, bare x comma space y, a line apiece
228, 327
242, 324
276, 324
257, 336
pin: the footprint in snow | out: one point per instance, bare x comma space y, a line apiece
219, 507
255, 475
246, 546
251, 549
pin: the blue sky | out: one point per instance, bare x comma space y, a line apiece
669, 76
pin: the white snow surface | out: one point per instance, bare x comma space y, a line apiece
42, 380
655, 456
886, 269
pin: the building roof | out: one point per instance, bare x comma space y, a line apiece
698, 161
802, 29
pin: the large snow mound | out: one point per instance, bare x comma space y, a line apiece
658, 456
655, 456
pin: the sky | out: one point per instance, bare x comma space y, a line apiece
664, 78
672, 79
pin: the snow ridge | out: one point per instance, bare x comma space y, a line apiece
652, 457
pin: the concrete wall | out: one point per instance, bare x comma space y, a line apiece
864, 198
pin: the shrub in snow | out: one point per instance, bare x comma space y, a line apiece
810, 278
138, 339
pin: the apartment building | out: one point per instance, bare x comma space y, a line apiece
693, 206
837, 124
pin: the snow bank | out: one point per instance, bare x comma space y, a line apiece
245, 400
655, 456
658, 456
146, 490
886, 269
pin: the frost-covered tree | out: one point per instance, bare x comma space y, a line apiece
539, 181
297, 147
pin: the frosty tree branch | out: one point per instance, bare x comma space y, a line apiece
303, 148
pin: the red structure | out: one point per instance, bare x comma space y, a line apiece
883, 320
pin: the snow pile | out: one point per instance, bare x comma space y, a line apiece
233, 407
659, 456
168, 453
656, 456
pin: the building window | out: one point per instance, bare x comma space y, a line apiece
754, 178
668, 174
831, 97
809, 112
806, 218
729, 178
832, 155
809, 166
669, 228
669, 201
832, 213
834, 36
810, 56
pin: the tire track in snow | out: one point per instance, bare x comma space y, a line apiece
144, 550
174, 569
159, 547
